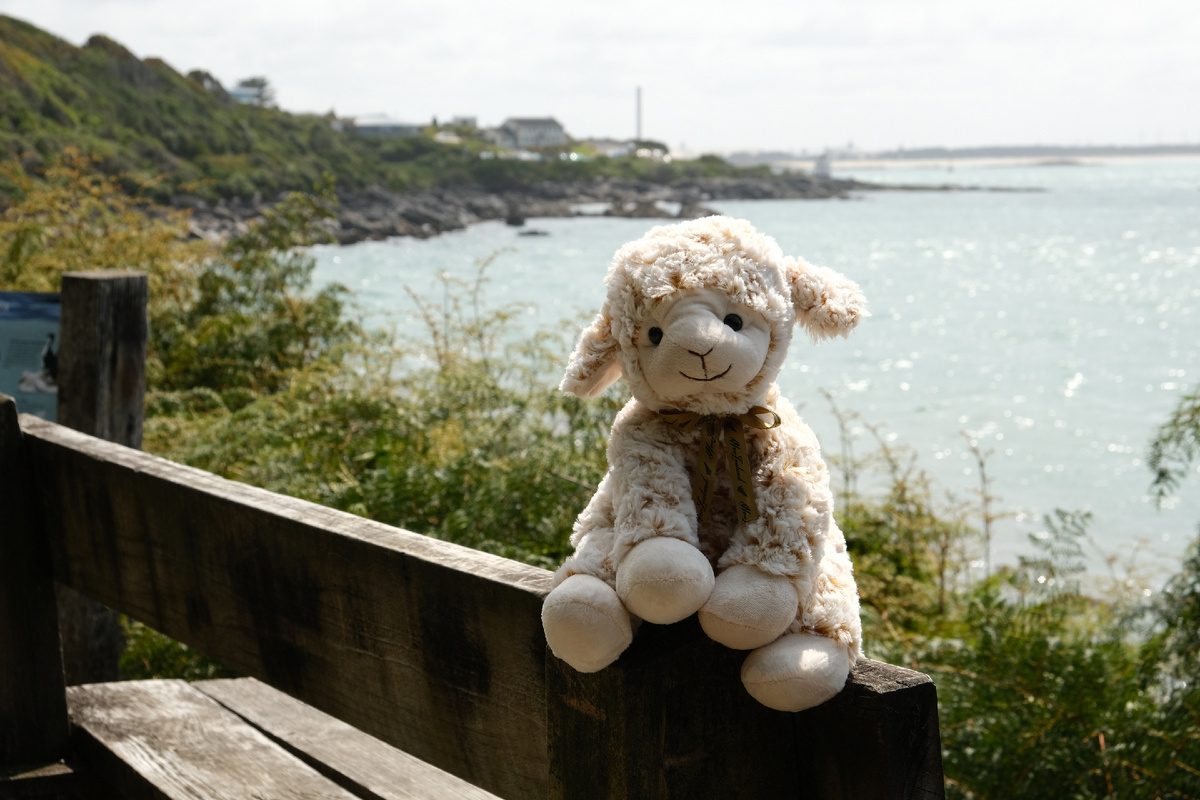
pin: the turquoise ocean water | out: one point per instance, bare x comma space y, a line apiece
1057, 327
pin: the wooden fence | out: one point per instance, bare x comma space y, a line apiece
383, 664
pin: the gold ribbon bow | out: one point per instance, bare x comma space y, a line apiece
732, 428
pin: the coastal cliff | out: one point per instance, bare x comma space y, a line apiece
377, 213
181, 140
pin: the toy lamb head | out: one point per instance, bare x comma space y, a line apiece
717, 499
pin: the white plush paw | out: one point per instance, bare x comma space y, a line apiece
748, 608
585, 623
796, 672
664, 580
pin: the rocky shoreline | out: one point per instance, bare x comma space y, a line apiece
376, 213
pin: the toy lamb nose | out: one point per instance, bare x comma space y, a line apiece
716, 500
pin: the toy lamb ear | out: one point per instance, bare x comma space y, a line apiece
827, 303
593, 366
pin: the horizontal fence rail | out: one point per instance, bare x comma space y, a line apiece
432, 647
438, 650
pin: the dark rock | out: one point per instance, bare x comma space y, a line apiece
375, 212
694, 210
639, 209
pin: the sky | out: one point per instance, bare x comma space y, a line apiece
716, 77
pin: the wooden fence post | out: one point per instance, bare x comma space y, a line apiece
33, 706
101, 390
671, 719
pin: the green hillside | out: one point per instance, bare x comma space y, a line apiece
143, 119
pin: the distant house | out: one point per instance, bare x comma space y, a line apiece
384, 126
466, 122
823, 165
520, 133
247, 95
255, 91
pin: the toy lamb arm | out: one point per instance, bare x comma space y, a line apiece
646, 493
644, 502
652, 489
794, 503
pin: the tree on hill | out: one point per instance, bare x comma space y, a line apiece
258, 90
651, 144
169, 134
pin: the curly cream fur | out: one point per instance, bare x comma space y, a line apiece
647, 491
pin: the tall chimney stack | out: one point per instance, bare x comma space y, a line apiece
639, 113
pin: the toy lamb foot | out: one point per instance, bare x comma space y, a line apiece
585, 623
748, 608
664, 580
796, 672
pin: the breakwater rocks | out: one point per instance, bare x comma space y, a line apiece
376, 213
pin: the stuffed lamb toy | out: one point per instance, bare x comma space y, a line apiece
717, 499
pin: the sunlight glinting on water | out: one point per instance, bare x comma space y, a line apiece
1056, 328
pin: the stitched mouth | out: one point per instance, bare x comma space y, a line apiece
706, 380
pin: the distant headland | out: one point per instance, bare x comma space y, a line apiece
996, 155
225, 154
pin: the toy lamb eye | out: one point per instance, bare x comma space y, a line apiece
655, 335
734, 321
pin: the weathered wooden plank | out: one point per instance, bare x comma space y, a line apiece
101, 391
669, 719
91, 636
879, 738
33, 710
164, 739
433, 648
360, 763
102, 354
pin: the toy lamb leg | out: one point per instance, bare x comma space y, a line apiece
717, 499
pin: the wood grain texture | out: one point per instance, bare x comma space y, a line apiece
360, 763
437, 650
433, 648
101, 391
164, 739
879, 738
102, 354
671, 719
91, 636
33, 711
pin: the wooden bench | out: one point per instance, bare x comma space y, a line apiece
431, 648
382, 663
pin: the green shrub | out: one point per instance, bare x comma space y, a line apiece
149, 654
1047, 688
456, 435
